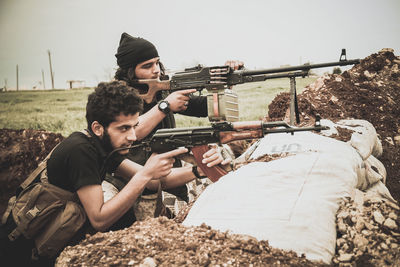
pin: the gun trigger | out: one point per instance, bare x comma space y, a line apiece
187, 158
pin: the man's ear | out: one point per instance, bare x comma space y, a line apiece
97, 129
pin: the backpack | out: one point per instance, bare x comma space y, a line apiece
49, 215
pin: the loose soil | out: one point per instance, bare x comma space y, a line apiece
369, 91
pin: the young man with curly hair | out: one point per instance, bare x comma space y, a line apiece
79, 164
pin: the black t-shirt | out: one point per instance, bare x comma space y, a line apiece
79, 161
197, 108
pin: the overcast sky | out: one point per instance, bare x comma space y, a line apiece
83, 35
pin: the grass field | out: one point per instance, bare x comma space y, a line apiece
63, 111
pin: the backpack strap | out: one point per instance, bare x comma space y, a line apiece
10, 205
159, 203
37, 171
42, 166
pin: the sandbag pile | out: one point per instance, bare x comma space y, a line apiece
292, 201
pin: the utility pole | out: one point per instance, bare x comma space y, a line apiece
44, 85
17, 79
51, 70
5, 84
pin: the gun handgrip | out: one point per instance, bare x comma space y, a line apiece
213, 173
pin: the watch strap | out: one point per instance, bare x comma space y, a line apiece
196, 172
164, 110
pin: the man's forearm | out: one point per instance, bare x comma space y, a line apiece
102, 215
148, 121
116, 207
178, 177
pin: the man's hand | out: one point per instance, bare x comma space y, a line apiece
160, 165
179, 100
214, 157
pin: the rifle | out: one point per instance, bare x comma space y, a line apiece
196, 139
217, 79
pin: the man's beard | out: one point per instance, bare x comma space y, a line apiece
106, 142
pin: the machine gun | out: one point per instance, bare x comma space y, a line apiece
222, 103
196, 139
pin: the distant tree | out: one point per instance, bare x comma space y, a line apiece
337, 70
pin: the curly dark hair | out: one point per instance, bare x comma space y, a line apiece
128, 75
109, 99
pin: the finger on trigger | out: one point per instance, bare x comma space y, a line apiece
188, 91
175, 152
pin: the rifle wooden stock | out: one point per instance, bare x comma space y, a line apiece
226, 137
244, 131
154, 85
213, 173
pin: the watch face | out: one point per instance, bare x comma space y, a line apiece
163, 105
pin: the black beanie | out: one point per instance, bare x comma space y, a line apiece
132, 51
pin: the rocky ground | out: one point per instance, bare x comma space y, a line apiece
368, 228
163, 242
367, 232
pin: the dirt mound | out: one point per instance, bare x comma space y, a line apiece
162, 242
20, 153
368, 91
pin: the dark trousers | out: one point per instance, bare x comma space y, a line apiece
19, 252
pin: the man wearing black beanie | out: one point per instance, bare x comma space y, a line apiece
138, 58
132, 51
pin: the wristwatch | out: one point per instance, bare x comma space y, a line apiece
196, 172
163, 106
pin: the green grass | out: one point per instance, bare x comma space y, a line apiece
63, 111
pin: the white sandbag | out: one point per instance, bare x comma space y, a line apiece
374, 172
379, 189
364, 139
332, 127
291, 202
377, 150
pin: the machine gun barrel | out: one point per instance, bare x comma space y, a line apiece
305, 67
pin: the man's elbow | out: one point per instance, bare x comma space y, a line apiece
98, 225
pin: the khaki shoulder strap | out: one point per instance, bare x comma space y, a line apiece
42, 166
159, 203
37, 171
86, 132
